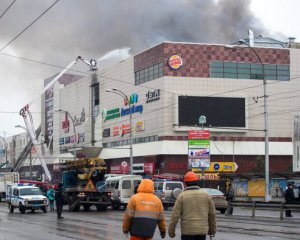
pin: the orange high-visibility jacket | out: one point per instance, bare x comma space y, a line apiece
144, 211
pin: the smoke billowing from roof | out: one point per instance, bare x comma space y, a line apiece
93, 28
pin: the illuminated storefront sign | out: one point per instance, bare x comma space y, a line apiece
175, 62
116, 112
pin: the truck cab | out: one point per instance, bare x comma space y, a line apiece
25, 197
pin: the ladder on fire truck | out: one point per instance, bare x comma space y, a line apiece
26, 114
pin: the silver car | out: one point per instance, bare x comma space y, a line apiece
218, 197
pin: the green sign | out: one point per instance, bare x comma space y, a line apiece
198, 142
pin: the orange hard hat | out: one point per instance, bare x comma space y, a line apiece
190, 177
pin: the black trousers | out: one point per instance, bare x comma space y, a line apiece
288, 212
59, 209
193, 237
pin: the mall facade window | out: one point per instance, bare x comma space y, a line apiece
150, 73
95, 99
219, 69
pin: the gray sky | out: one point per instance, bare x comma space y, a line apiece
91, 28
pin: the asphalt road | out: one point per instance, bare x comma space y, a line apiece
107, 225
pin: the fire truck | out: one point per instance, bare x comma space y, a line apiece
84, 184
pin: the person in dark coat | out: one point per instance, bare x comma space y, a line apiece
289, 199
229, 198
59, 199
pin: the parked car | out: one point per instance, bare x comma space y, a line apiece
167, 191
218, 198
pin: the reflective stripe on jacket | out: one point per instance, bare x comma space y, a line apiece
144, 211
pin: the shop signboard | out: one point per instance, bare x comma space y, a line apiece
198, 149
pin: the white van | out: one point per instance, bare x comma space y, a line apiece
122, 188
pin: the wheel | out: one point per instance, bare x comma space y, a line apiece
32, 210
44, 209
76, 209
86, 207
11, 208
223, 211
21, 208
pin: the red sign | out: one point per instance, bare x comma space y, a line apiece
121, 168
199, 134
116, 131
149, 167
66, 123
125, 129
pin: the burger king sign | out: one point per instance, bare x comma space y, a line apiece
175, 62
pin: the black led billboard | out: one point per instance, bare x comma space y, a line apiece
219, 111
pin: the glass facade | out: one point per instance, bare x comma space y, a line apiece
219, 69
95, 100
149, 73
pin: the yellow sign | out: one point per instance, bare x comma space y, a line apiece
209, 176
90, 187
220, 167
256, 188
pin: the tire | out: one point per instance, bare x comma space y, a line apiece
11, 208
86, 207
223, 211
21, 208
32, 210
76, 209
44, 209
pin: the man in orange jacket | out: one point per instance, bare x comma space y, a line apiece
144, 211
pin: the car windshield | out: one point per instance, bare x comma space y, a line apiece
212, 191
30, 191
172, 186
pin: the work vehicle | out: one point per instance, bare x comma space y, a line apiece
167, 191
83, 183
7, 178
25, 197
122, 188
218, 197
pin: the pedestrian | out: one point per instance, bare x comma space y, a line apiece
289, 199
144, 211
196, 212
59, 199
229, 198
51, 197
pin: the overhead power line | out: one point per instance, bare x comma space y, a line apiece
7, 44
12, 3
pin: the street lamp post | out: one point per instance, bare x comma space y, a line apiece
266, 125
125, 97
74, 130
30, 160
3, 139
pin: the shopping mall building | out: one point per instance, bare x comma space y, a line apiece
169, 87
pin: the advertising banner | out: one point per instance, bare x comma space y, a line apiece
198, 149
256, 188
